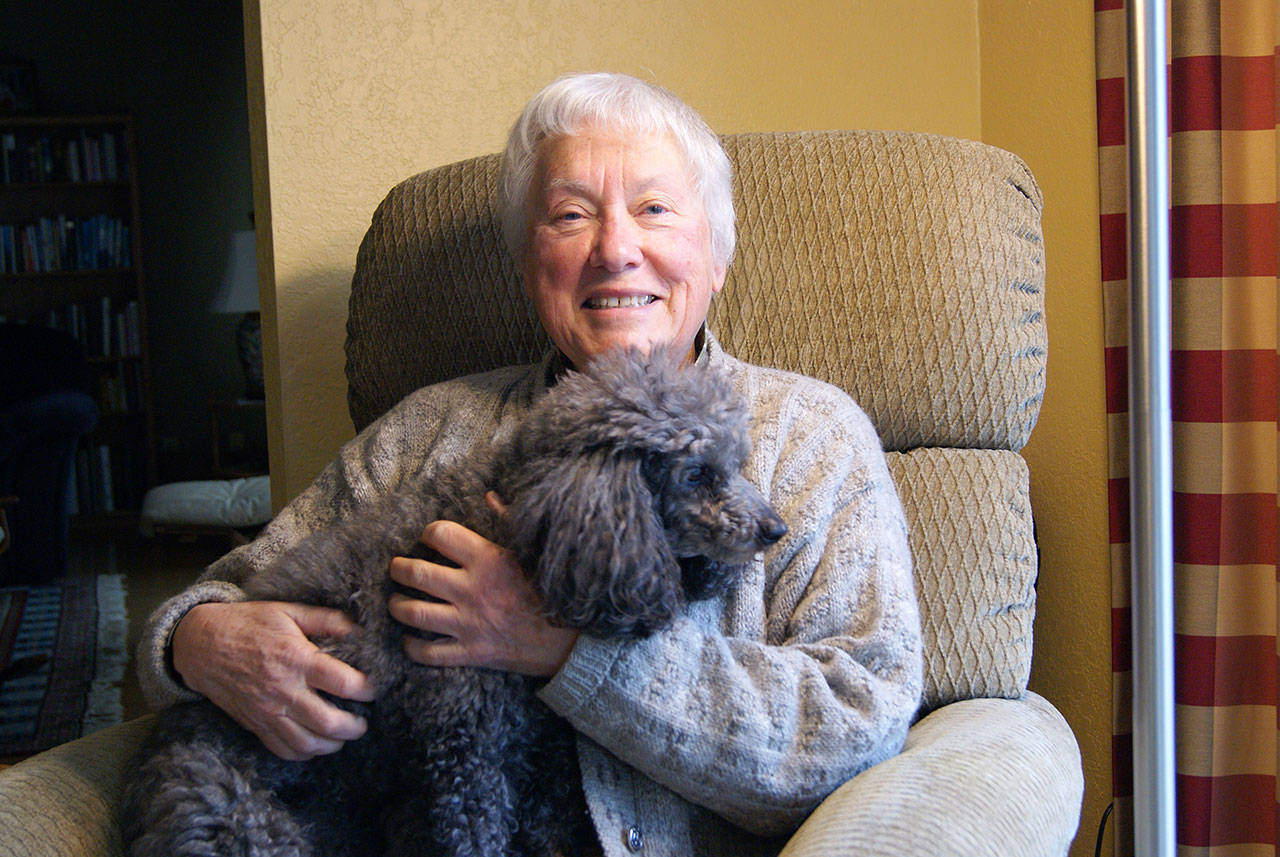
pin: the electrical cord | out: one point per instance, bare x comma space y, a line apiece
1102, 826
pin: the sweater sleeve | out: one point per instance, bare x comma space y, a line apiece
758, 707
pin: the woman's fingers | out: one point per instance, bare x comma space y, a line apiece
436, 617
484, 612
254, 660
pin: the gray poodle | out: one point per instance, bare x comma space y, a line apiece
624, 497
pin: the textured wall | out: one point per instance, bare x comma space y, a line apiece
358, 95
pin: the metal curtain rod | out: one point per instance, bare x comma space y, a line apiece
1150, 435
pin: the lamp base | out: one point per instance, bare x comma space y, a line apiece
249, 348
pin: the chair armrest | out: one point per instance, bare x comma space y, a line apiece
976, 777
63, 802
63, 414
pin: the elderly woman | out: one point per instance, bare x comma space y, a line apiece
710, 737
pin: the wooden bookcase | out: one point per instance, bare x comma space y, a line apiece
71, 258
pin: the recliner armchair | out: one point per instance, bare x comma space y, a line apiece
45, 408
907, 269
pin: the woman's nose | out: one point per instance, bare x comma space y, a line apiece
617, 244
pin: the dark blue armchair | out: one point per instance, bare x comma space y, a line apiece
45, 408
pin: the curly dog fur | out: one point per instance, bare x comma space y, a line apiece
624, 499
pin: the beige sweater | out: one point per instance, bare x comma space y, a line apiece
724, 732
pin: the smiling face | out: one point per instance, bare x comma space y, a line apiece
619, 249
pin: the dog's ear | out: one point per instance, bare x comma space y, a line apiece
587, 532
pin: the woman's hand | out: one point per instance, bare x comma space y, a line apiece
255, 660
488, 613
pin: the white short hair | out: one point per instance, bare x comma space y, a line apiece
616, 102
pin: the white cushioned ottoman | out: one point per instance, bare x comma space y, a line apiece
212, 504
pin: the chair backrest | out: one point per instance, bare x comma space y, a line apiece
905, 268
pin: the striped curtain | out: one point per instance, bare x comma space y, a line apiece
1222, 117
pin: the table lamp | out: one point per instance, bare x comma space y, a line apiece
239, 294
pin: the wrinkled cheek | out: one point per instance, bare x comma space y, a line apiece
551, 301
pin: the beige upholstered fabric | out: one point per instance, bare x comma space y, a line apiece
977, 778
63, 801
905, 268
971, 536
435, 295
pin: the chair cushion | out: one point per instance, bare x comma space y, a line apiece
972, 542
905, 268
235, 503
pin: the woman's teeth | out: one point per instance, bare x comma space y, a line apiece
610, 303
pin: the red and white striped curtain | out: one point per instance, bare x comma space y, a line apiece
1225, 259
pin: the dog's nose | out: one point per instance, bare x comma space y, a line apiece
771, 529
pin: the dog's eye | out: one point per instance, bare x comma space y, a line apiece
697, 475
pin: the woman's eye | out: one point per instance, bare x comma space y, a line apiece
655, 208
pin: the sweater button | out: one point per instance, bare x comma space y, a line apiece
634, 839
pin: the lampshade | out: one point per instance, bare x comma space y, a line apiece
239, 290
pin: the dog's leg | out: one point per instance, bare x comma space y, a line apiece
542, 767
455, 798
472, 819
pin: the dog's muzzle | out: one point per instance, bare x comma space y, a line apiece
770, 529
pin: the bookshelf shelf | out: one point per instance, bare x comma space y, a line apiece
70, 257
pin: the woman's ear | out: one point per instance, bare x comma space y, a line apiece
589, 537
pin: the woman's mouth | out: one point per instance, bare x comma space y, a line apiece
620, 302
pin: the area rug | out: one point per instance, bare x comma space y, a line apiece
62, 661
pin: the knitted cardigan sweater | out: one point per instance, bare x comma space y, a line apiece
721, 734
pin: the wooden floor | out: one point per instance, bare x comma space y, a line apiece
154, 570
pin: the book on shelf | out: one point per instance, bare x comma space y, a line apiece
68, 223
72, 154
119, 390
103, 327
101, 483
106, 485
60, 243
94, 488
107, 479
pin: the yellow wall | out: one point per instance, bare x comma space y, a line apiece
349, 97
1038, 100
